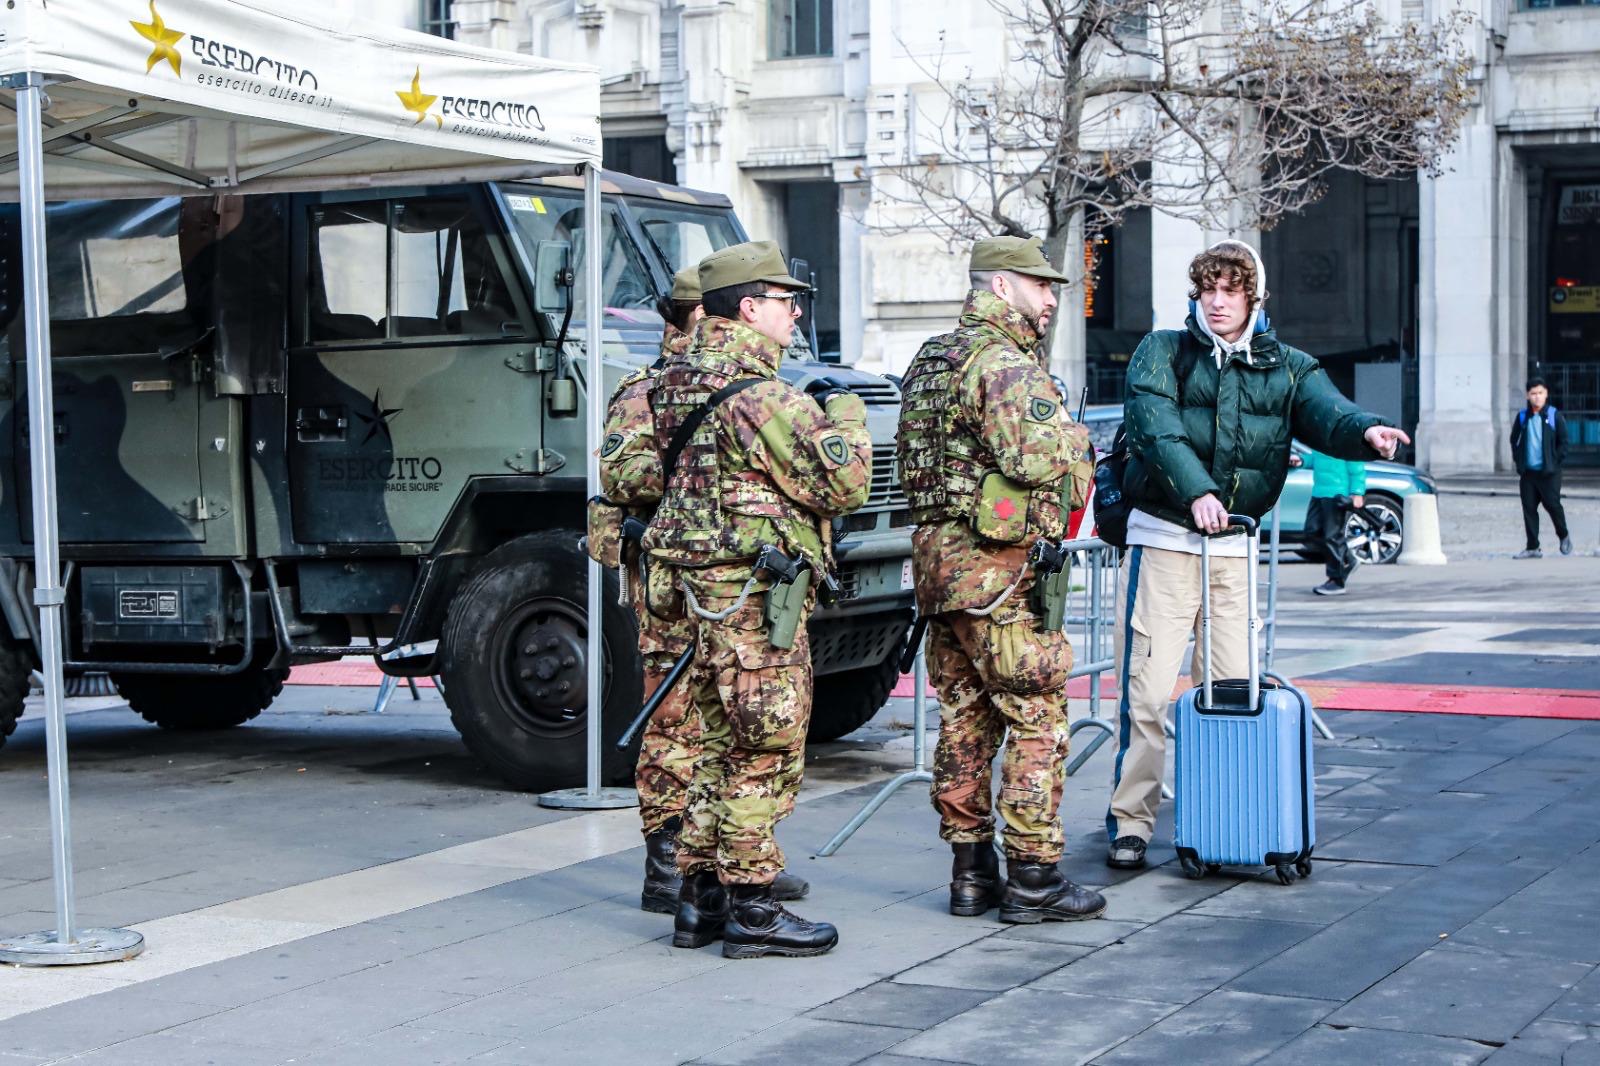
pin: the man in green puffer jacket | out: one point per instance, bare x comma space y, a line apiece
1337, 486
1210, 411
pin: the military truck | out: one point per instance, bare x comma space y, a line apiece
297, 427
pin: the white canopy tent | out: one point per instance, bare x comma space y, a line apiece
141, 98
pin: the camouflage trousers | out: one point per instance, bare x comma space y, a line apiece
671, 741
754, 704
994, 674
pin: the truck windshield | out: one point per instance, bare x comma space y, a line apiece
680, 235
542, 213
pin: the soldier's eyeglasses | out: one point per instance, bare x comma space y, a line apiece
789, 296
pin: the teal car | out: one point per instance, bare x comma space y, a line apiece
1375, 536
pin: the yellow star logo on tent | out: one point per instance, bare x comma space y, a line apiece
418, 101
162, 39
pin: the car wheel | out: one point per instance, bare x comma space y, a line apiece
1371, 543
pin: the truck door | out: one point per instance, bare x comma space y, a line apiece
412, 367
128, 291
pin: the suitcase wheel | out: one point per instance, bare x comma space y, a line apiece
1303, 867
1193, 869
1285, 872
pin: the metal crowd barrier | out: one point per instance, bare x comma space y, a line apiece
1091, 608
1091, 623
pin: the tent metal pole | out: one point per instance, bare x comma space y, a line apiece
593, 796
67, 944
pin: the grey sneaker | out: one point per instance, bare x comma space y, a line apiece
1529, 553
1328, 588
1566, 545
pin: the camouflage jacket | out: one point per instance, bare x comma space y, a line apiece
630, 465
767, 467
978, 400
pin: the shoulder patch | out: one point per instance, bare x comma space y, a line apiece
834, 449
1041, 409
611, 444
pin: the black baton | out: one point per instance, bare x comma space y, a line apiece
673, 676
909, 658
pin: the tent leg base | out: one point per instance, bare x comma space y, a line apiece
581, 799
91, 945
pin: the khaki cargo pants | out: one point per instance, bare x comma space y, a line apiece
1158, 611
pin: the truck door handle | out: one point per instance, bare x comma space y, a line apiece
321, 423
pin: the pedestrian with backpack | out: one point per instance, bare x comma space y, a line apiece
1209, 411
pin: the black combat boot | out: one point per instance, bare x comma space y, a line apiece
1036, 892
758, 925
702, 911
788, 888
974, 879
661, 880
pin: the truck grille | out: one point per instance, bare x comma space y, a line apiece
885, 493
878, 393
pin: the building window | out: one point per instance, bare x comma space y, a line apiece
437, 20
1539, 5
799, 28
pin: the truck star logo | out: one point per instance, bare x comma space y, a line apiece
378, 421
162, 39
417, 101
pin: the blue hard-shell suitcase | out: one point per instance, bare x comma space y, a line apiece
1245, 789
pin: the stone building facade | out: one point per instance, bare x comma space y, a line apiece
1431, 299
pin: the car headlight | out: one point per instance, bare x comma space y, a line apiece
1428, 483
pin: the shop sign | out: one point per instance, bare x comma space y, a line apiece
1575, 300
1580, 206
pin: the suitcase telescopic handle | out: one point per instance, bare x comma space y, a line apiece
1252, 534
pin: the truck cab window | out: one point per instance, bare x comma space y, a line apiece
544, 214
404, 270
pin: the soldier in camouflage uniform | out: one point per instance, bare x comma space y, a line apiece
768, 466
992, 464
630, 476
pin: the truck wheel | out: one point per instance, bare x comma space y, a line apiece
15, 666
842, 703
177, 701
514, 657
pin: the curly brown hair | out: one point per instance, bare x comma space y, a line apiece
1227, 262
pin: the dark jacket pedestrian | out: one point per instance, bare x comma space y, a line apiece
1539, 448
1210, 412
1338, 486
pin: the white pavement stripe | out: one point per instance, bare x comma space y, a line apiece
228, 930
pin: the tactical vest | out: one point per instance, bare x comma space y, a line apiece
697, 523
942, 461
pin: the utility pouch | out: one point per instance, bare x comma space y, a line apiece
1001, 511
662, 596
604, 539
785, 608
1049, 598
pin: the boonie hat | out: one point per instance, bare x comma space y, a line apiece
1020, 255
686, 284
742, 263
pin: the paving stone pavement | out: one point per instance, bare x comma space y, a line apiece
1452, 917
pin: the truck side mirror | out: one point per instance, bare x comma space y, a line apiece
552, 277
